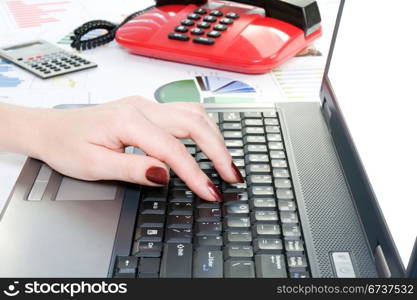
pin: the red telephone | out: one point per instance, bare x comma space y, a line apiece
223, 34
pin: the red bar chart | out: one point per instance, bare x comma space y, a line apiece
36, 13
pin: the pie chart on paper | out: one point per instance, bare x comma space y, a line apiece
206, 89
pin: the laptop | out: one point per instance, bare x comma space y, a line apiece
306, 209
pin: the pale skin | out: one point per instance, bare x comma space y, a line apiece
88, 143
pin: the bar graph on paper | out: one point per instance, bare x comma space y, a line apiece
30, 14
7, 80
300, 78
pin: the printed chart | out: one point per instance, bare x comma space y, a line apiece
28, 15
7, 81
206, 89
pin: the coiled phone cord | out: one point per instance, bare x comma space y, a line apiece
111, 28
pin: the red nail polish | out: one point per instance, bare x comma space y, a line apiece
214, 191
237, 173
157, 175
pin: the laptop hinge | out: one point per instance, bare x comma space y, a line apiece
381, 263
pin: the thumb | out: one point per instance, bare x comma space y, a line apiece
135, 168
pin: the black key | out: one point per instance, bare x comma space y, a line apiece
291, 231
208, 228
256, 148
253, 122
270, 266
285, 194
237, 222
177, 261
153, 207
261, 190
258, 169
296, 262
236, 208
279, 163
155, 194
204, 25
234, 187
216, 13
180, 208
282, 183
299, 274
232, 15
281, 173
193, 17
235, 197
230, 117
211, 242
149, 234
276, 145
178, 36
187, 142
287, 205
288, 217
178, 235
267, 245
260, 179
256, 158
253, 130
239, 269
214, 115
76, 65
266, 230
147, 249
187, 22
294, 246
183, 222
203, 40
201, 156
201, 203
238, 237
264, 216
226, 21
149, 267
126, 266
274, 137
264, 202
254, 139
271, 122
178, 183
208, 264
184, 196
214, 34
272, 129
238, 251
210, 19
232, 134
236, 153
181, 29
231, 126
197, 31
220, 27
201, 11
151, 221
208, 214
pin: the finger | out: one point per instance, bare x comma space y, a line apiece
135, 168
194, 123
164, 147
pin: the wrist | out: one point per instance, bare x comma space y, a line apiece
21, 129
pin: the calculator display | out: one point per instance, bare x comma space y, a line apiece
22, 46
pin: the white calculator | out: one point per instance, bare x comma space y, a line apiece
45, 59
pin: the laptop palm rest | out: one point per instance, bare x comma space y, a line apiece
63, 228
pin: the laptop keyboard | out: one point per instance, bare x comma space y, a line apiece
255, 232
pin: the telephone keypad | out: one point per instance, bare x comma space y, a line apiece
220, 25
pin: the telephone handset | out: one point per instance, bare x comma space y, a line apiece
231, 35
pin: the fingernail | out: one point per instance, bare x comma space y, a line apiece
214, 191
157, 175
237, 173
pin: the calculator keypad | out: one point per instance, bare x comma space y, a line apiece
203, 26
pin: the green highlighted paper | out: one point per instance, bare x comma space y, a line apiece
206, 89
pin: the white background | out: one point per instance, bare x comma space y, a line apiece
374, 75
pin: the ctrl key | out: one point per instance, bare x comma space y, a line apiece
178, 36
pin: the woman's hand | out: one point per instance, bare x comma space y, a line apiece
88, 143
